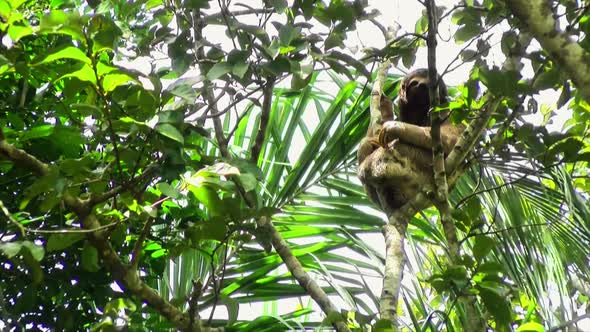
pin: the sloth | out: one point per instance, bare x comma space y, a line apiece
395, 157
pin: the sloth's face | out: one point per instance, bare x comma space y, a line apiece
417, 90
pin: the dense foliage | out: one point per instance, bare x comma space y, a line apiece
163, 132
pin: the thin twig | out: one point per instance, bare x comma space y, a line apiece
12, 220
568, 323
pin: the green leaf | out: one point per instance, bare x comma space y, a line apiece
170, 131
287, 34
497, 306
90, 258
168, 190
218, 70
499, 82
469, 55
569, 147
209, 197
10, 249
37, 132
257, 31
105, 33
87, 109
17, 31
509, 39
15, 4
490, 268
279, 5
467, 32
84, 73
112, 81
36, 251
335, 39
68, 141
483, 245
248, 181
531, 327
421, 25
240, 69
207, 230
50, 200
548, 79
68, 52
196, 4
69, 23
183, 88
59, 242
278, 66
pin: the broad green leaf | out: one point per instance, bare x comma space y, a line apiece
497, 306
10, 249
469, 55
490, 268
168, 190
112, 81
218, 70
37, 251
38, 132
197, 4
467, 32
248, 181
209, 198
170, 131
500, 83
68, 52
279, 5
257, 31
207, 230
87, 109
90, 258
287, 34
483, 246
531, 327
61, 22
84, 73
105, 33
548, 79
17, 31
183, 88
59, 242
15, 4
240, 69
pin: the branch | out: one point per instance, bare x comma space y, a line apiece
8, 215
99, 198
193, 303
136, 253
208, 92
264, 117
441, 187
23, 159
438, 158
296, 269
536, 16
395, 231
